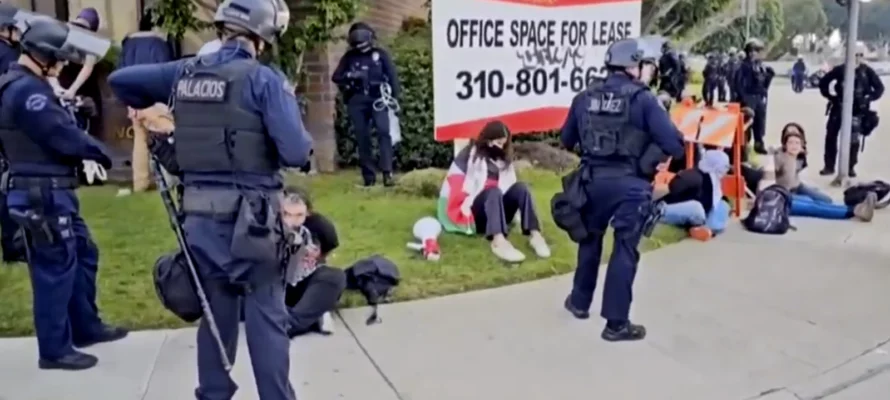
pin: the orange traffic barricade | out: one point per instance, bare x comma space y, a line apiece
721, 127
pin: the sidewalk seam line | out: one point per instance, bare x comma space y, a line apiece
154, 366
367, 354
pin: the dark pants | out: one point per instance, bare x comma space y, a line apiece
832, 133
265, 315
63, 279
758, 105
707, 90
8, 231
721, 90
363, 118
493, 211
312, 297
621, 201
797, 80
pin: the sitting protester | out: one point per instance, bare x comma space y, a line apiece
481, 193
318, 286
694, 198
806, 200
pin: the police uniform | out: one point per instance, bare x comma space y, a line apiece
867, 88
669, 73
237, 123
752, 82
44, 147
362, 71
615, 123
13, 248
729, 69
712, 79
799, 74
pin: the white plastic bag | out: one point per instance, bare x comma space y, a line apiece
395, 130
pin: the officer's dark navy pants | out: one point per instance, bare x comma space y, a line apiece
63, 279
493, 211
758, 128
265, 315
721, 89
622, 201
364, 119
832, 137
8, 229
312, 297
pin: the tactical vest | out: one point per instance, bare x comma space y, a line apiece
860, 88
214, 133
759, 74
607, 135
17, 147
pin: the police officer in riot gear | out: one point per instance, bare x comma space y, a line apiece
867, 88
44, 148
669, 71
729, 68
367, 79
712, 79
237, 124
752, 82
615, 122
13, 248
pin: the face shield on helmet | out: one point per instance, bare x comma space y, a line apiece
81, 43
282, 16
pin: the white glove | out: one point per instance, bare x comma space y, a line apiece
94, 171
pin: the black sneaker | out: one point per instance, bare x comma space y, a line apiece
853, 173
367, 183
826, 171
577, 312
75, 361
14, 257
759, 148
388, 180
628, 332
108, 334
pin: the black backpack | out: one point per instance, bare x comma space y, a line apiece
771, 213
856, 194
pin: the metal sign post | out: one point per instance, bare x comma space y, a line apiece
843, 173
749, 8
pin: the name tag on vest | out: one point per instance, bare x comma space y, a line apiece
210, 90
607, 105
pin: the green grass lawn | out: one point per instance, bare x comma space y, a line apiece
132, 232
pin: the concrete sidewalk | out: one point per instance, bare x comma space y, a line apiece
800, 316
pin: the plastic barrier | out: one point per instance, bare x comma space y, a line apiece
722, 127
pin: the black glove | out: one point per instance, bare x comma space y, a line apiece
105, 162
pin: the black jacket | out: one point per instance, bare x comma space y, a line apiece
691, 184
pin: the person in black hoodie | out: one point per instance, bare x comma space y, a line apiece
315, 295
695, 197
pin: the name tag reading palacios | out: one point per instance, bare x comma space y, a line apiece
204, 89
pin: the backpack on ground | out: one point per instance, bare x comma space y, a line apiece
771, 213
856, 194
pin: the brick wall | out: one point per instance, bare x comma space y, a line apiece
385, 16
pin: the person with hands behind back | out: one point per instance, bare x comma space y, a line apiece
45, 147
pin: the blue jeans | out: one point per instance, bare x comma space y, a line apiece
807, 201
813, 193
691, 213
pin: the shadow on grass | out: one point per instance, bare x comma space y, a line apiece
133, 231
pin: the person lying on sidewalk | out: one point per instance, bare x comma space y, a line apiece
319, 286
694, 198
806, 200
481, 193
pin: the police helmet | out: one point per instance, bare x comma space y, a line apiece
733, 50
361, 35
753, 44
267, 19
627, 53
49, 41
7, 16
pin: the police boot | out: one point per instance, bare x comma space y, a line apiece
826, 171
622, 331
760, 148
13, 255
577, 312
75, 361
388, 180
106, 334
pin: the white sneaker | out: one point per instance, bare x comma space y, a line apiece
508, 253
327, 324
539, 245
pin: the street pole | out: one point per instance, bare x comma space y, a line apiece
748, 19
843, 173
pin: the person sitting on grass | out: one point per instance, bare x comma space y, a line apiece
806, 200
318, 286
694, 198
481, 193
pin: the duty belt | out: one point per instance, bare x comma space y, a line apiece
25, 183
